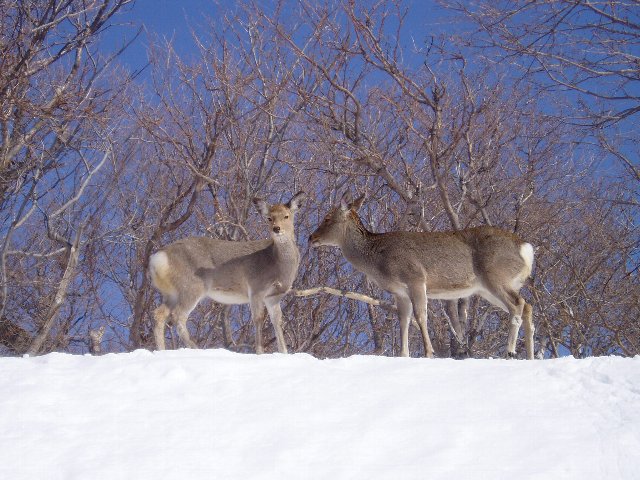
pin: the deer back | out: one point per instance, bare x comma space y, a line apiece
175, 270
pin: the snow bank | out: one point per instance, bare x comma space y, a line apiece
215, 415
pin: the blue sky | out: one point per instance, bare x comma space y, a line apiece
174, 19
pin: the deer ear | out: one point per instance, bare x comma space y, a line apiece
262, 206
296, 201
357, 203
344, 206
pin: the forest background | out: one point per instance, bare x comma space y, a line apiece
521, 115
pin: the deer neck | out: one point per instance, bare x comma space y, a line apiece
357, 243
285, 250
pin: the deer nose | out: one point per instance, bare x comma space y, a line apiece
276, 229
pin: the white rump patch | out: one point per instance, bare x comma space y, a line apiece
159, 262
159, 271
526, 252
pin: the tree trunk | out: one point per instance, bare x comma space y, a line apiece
61, 295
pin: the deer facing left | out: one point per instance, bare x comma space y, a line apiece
258, 273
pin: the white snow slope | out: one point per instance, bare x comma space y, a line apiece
216, 415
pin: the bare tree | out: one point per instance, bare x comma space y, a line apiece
586, 47
327, 97
58, 111
220, 127
584, 56
446, 131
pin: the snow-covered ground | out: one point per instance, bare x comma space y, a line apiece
216, 415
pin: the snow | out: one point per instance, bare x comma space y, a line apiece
194, 414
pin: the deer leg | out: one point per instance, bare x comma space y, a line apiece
529, 329
275, 314
183, 331
514, 329
257, 316
513, 303
419, 300
404, 313
160, 316
515, 311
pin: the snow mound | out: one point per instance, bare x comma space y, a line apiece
213, 414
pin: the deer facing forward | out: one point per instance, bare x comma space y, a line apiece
412, 266
256, 272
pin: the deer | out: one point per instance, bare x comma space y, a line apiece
257, 272
413, 266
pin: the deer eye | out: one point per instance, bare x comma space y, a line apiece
270, 219
286, 216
